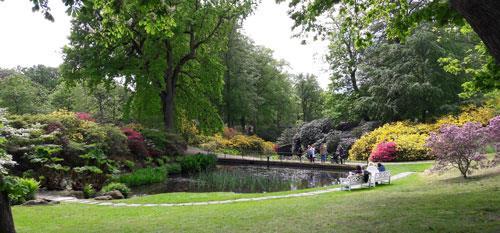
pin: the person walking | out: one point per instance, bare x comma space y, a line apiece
340, 153
312, 153
323, 152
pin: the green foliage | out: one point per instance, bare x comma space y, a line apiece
129, 164
105, 103
173, 168
144, 176
20, 189
116, 186
159, 47
21, 95
309, 95
405, 81
257, 90
476, 63
88, 191
46, 76
198, 163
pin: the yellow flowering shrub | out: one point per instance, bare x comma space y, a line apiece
241, 143
410, 138
469, 114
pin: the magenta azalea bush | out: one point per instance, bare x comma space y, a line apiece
462, 147
384, 152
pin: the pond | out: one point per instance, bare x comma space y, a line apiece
244, 179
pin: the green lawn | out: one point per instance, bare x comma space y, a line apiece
419, 203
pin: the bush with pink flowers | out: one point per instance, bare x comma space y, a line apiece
384, 152
463, 147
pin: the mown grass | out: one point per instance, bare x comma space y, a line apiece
419, 203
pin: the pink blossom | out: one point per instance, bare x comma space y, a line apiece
384, 152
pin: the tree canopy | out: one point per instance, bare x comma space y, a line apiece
166, 49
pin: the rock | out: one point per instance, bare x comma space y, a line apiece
345, 126
41, 201
103, 198
115, 194
322, 131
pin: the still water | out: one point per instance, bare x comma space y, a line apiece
244, 179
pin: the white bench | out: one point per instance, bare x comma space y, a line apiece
353, 180
382, 177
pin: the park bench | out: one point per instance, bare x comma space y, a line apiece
382, 177
354, 180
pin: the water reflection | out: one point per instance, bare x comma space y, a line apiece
245, 179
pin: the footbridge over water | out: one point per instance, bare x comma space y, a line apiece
225, 159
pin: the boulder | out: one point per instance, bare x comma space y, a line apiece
322, 131
103, 198
41, 201
115, 194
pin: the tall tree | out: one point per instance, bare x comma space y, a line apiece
405, 81
257, 91
46, 76
21, 95
309, 93
151, 44
403, 15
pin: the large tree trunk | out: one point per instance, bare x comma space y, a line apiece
6, 220
167, 103
484, 17
354, 82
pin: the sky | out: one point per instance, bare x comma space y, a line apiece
28, 39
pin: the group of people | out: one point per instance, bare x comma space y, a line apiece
371, 169
339, 156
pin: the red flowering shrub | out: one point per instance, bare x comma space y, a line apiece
84, 116
384, 152
139, 146
133, 135
136, 142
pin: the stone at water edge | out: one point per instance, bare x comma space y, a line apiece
115, 194
41, 201
103, 198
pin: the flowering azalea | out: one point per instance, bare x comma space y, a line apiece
459, 147
384, 152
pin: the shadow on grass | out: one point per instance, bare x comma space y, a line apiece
480, 175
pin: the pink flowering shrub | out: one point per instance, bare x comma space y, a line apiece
459, 147
384, 152
84, 116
